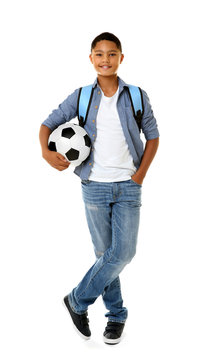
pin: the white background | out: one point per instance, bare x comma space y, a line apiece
172, 287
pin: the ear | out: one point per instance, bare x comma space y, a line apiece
90, 57
122, 57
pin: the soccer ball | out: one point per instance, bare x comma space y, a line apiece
71, 141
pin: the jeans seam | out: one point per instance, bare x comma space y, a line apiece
108, 260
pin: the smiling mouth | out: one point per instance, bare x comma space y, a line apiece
105, 67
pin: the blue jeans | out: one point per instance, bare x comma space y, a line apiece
112, 212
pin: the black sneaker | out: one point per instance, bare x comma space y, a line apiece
80, 321
113, 332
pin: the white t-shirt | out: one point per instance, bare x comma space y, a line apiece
112, 160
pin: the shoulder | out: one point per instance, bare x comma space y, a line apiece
138, 92
73, 97
136, 89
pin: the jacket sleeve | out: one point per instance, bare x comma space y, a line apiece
66, 111
148, 124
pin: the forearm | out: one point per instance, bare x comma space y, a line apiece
44, 134
148, 156
55, 159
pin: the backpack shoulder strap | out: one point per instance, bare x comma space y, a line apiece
136, 99
85, 98
84, 102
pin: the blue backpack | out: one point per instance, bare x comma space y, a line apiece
85, 98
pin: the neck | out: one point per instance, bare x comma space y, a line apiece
108, 84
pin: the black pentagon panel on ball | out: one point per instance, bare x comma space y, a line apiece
68, 132
52, 146
72, 154
87, 140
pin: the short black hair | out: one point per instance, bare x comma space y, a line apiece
106, 36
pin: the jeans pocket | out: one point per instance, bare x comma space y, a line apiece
85, 182
134, 182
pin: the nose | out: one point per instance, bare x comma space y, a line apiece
106, 58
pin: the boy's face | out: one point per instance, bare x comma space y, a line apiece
106, 58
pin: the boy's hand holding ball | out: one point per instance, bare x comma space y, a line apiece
56, 160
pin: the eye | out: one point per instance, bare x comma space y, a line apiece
113, 54
98, 54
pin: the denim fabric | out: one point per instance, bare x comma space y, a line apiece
113, 212
67, 110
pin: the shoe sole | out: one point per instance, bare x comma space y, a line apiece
76, 329
111, 341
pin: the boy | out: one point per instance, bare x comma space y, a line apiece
111, 180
